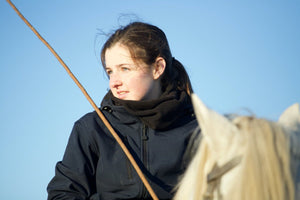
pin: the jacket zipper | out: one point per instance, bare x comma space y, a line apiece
144, 154
128, 164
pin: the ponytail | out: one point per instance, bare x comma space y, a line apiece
177, 76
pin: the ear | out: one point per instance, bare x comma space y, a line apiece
159, 67
290, 118
219, 132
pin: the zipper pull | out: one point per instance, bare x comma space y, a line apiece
144, 135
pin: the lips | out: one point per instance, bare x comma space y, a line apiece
122, 94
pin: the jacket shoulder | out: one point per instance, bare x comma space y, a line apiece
90, 119
90, 124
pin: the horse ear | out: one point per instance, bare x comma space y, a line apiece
290, 118
201, 111
218, 130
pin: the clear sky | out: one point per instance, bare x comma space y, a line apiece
239, 54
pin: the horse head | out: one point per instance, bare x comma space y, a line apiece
243, 158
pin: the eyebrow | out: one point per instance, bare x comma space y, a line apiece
119, 65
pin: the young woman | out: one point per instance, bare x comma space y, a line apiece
149, 106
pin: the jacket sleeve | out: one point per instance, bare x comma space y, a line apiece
75, 175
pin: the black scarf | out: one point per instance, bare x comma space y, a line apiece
172, 109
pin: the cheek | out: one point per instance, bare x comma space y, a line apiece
140, 85
110, 84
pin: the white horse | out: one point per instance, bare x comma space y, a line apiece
244, 158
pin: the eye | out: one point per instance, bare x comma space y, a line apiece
108, 72
125, 68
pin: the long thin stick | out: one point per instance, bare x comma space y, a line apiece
109, 127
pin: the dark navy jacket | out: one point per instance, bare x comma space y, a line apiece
94, 166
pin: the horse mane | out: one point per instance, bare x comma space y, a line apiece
265, 166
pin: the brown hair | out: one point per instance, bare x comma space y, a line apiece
146, 43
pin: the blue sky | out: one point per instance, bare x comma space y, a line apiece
239, 54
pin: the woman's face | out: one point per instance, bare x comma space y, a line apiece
128, 80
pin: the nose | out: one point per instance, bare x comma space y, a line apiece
115, 81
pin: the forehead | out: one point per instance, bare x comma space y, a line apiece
117, 55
